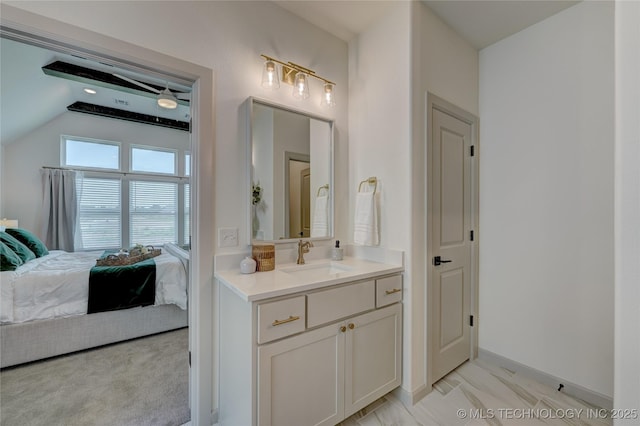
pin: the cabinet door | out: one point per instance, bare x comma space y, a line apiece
300, 379
373, 363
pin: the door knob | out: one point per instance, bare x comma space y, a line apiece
438, 261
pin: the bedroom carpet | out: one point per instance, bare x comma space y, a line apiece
140, 382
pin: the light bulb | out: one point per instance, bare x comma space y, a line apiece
301, 86
327, 96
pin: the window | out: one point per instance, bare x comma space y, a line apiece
153, 160
99, 213
90, 154
153, 212
123, 209
187, 203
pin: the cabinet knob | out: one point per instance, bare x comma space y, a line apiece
352, 326
343, 329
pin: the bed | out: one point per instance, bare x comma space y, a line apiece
43, 306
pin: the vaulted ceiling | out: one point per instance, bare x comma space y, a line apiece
30, 97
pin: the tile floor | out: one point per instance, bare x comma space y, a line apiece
477, 393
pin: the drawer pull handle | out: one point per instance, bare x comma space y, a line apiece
284, 321
395, 290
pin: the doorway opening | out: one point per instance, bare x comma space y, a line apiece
297, 195
67, 39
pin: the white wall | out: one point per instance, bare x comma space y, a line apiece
546, 196
379, 137
447, 66
262, 160
320, 133
627, 209
391, 66
23, 158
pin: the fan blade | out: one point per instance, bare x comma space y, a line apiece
137, 83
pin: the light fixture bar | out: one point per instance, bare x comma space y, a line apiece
290, 69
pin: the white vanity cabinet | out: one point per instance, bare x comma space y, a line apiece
309, 358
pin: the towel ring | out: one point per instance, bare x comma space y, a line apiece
371, 181
325, 186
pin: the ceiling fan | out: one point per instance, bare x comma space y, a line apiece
166, 98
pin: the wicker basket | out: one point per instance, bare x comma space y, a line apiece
128, 257
265, 256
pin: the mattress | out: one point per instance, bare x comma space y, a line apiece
56, 286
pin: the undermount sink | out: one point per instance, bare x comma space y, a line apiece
317, 269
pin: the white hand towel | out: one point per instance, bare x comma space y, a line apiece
320, 224
366, 220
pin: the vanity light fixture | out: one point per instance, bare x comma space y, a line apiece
90, 91
298, 76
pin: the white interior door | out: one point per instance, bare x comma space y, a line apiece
450, 233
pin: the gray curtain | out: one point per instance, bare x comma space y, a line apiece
60, 208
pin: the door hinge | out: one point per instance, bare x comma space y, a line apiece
471, 235
473, 150
471, 320
189, 358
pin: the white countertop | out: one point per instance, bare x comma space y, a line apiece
263, 285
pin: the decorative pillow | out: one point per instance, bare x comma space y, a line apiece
17, 247
9, 260
30, 240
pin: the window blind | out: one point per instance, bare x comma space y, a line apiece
153, 212
99, 213
187, 203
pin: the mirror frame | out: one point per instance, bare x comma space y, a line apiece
251, 101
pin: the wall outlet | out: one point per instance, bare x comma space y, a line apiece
227, 237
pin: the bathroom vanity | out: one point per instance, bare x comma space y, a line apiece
308, 344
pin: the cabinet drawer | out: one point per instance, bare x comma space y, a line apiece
388, 290
329, 305
281, 318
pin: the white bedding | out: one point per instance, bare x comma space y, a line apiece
57, 285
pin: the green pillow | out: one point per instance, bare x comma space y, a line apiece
17, 247
9, 260
30, 240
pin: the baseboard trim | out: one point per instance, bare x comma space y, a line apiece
409, 399
569, 388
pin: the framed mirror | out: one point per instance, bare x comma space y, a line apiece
290, 173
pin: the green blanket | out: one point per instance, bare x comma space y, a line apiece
121, 287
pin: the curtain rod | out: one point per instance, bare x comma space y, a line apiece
117, 173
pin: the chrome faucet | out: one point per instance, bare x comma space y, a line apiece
303, 247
